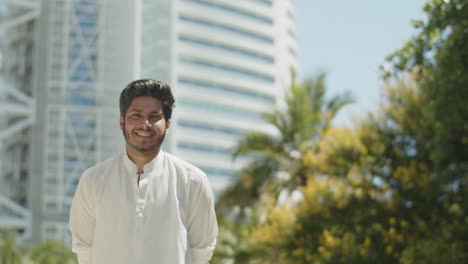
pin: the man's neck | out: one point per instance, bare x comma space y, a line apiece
141, 159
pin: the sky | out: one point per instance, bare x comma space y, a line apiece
349, 40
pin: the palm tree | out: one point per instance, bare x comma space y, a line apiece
304, 118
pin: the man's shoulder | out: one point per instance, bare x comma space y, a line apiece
185, 166
101, 167
194, 178
192, 173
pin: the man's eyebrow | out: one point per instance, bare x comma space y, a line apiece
140, 111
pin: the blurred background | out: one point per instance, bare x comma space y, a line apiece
331, 131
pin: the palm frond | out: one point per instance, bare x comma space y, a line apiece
254, 142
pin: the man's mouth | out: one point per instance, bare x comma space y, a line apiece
143, 134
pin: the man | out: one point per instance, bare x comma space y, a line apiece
144, 206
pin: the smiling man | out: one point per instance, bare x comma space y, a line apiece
144, 206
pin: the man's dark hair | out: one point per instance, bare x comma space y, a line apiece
147, 87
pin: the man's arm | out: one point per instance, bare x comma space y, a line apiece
202, 223
83, 219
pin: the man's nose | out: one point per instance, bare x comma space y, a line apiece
146, 124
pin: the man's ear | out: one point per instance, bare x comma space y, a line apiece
121, 121
168, 124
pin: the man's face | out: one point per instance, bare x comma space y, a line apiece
144, 125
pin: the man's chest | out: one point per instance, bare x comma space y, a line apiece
155, 201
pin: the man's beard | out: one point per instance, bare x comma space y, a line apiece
152, 148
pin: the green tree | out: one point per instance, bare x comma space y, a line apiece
304, 118
439, 57
52, 252
10, 252
394, 189
233, 241
404, 198
373, 196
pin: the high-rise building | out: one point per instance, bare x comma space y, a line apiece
17, 29
227, 62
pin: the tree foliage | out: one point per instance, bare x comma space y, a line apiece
438, 55
305, 117
10, 253
373, 196
393, 189
298, 124
49, 252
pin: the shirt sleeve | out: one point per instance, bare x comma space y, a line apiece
83, 219
202, 223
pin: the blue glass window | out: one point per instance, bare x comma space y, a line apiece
227, 48
264, 2
231, 69
204, 148
215, 171
246, 114
210, 128
236, 11
73, 98
245, 33
227, 89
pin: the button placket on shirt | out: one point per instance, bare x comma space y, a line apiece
141, 201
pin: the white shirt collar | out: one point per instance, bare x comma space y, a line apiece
147, 168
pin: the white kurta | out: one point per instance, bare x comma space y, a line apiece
168, 219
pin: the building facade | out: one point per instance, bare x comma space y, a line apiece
17, 34
227, 62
